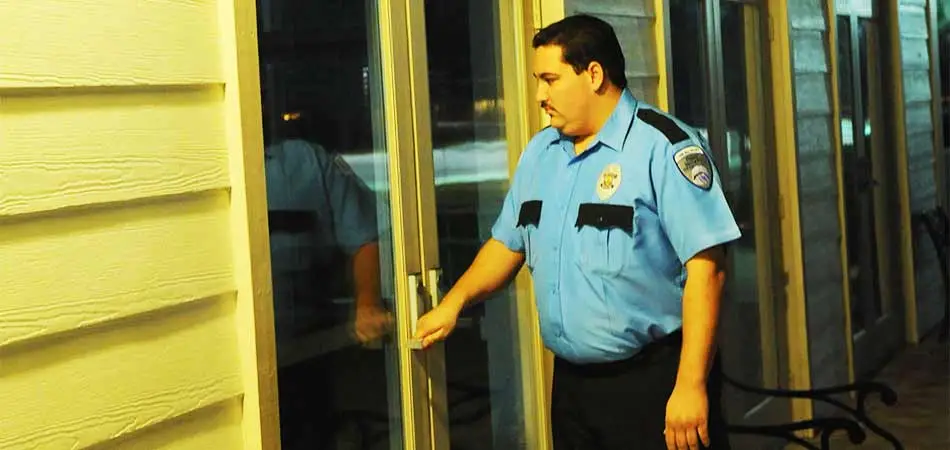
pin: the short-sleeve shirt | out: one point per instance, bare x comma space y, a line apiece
316, 204
606, 234
319, 212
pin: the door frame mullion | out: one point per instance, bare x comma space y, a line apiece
395, 54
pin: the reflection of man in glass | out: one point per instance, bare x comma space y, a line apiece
325, 269
321, 214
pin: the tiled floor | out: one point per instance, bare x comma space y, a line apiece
921, 418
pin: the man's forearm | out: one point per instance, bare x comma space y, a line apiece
365, 263
701, 299
493, 268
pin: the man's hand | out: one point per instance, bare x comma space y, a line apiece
437, 324
372, 322
687, 416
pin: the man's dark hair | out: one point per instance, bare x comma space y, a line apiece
585, 39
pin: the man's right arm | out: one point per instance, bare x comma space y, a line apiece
493, 267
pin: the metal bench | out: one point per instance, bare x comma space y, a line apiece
824, 428
937, 226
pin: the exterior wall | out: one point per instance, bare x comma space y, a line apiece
126, 314
633, 21
820, 229
921, 157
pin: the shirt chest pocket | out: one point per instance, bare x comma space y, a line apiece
528, 220
605, 236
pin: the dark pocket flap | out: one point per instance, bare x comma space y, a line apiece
291, 221
603, 216
530, 213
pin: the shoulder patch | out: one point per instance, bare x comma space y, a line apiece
693, 163
667, 126
342, 165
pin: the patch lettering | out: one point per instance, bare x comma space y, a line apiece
693, 163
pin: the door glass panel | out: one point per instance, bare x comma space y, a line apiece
328, 213
871, 98
747, 315
859, 136
470, 159
688, 60
849, 160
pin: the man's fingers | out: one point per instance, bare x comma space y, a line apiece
704, 434
670, 434
691, 438
681, 441
433, 338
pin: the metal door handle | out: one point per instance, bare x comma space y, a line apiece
414, 285
432, 285
416, 308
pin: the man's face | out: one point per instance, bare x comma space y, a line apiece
564, 95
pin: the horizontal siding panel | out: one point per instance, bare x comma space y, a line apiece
644, 88
71, 150
913, 21
214, 427
640, 8
818, 177
810, 51
637, 41
916, 86
811, 94
814, 136
44, 43
919, 118
61, 273
96, 386
915, 53
807, 14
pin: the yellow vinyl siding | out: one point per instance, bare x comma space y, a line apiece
91, 385
73, 43
63, 149
90, 267
134, 279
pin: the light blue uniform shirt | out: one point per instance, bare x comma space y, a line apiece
606, 233
318, 209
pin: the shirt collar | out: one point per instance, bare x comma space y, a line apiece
615, 131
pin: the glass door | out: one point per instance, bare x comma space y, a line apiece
334, 253
753, 345
876, 324
719, 75
484, 394
387, 157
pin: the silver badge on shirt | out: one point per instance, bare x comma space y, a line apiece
694, 165
609, 181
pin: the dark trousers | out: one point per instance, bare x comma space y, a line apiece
622, 405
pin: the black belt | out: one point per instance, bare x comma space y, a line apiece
672, 340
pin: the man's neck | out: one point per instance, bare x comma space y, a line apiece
605, 106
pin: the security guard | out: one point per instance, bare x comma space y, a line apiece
619, 213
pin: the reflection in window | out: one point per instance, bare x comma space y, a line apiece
745, 145
859, 113
688, 62
325, 167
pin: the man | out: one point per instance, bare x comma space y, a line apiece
619, 213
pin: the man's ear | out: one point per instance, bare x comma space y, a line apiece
598, 79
